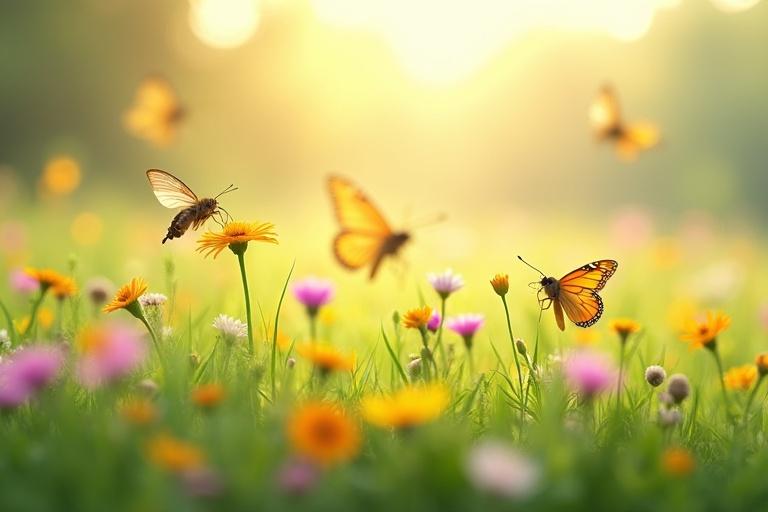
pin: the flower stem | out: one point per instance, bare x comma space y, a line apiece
33, 314
621, 375
313, 327
439, 342
722, 383
514, 350
752, 397
241, 261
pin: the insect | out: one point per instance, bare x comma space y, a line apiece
365, 237
575, 292
156, 112
608, 125
173, 193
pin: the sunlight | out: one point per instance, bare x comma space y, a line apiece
224, 23
735, 5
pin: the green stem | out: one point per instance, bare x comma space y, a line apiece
241, 261
274, 332
33, 314
621, 376
439, 343
721, 375
313, 326
514, 349
752, 397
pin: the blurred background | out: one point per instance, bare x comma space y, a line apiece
477, 110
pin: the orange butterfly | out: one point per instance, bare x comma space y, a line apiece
365, 237
156, 112
576, 292
607, 124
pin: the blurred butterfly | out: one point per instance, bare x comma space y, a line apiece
156, 112
576, 292
365, 237
173, 193
608, 125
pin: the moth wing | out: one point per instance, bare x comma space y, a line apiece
170, 190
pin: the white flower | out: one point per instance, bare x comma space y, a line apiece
499, 469
230, 327
445, 283
153, 300
5, 341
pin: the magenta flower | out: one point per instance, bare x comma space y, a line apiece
109, 354
297, 477
445, 283
589, 373
22, 282
466, 326
26, 372
434, 321
314, 293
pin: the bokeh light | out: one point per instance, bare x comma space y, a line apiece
87, 228
61, 176
735, 5
224, 23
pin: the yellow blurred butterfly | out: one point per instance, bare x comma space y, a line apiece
608, 125
365, 237
576, 292
156, 112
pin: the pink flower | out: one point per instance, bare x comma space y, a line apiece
446, 282
22, 282
589, 373
297, 477
499, 469
434, 321
466, 326
26, 372
313, 292
109, 354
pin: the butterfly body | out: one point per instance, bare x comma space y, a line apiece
156, 113
192, 216
608, 125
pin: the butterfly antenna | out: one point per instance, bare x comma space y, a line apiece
229, 217
436, 219
534, 268
230, 188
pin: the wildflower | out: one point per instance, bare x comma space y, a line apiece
230, 328
670, 417
326, 358
297, 477
500, 284
434, 321
22, 282
324, 433
677, 462
138, 412
704, 333
26, 372
417, 318
678, 388
236, 236
624, 328
313, 293
655, 375
761, 361
153, 300
44, 317
108, 354
99, 290
466, 326
589, 373
407, 408
65, 288
741, 377
46, 278
174, 454
445, 283
127, 297
496, 468
208, 396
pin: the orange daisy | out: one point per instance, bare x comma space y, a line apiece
704, 333
417, 318
127, 296
236, 236
326, 358
324, 433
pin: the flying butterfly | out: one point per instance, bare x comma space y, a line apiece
365, 237
156, 112
575, 292
173, 193
607, 124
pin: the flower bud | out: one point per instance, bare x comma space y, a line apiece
670, 417
520, 346
500, 284
655, 375
290, 363
414, 368
761, 361
194, 359
679, 388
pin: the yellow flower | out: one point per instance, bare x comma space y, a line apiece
45, 277
740, 377
409, 407
66, 287
45, 318
417, 318
174, 454
138, 412
236, 236
500, 284
61, 176
762, 363
326, 358
624, 327
208, 396
704, 333
678, 462
127, 296
324, 433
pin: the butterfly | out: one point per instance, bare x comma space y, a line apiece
608, 125
576, 292
173, 193
156, 112
365, 237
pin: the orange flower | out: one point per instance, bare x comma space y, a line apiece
500, 284
66, 287
208, 396
704, 333
624, 327
410, 407
678, 462
741, 377
323, 432
174, 454
236, 236
762, 363
127, 296
326, 358
45, 277
417, 318
138, 412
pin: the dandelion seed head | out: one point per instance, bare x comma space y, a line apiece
655, 375
152, 300
678, 388
230, 327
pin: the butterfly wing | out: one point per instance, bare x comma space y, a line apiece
636, 138
155, 113
170, 190
364, 231
578, 292
605, 114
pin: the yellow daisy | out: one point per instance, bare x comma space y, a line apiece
326, 358
66, 287
45, 277
624, 327
417, 318
127, 296
407, 408
704, 333
236, 236
741, 377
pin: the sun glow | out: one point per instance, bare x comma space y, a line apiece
224, 23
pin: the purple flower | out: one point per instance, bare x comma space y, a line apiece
466, 326
589, 373
297, 477
109, 354
314, 293
446, 282
434, 321
22, 282
26, 372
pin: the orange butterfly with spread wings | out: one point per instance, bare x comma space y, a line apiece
156, 112
608, 125
576, 292
365, 237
